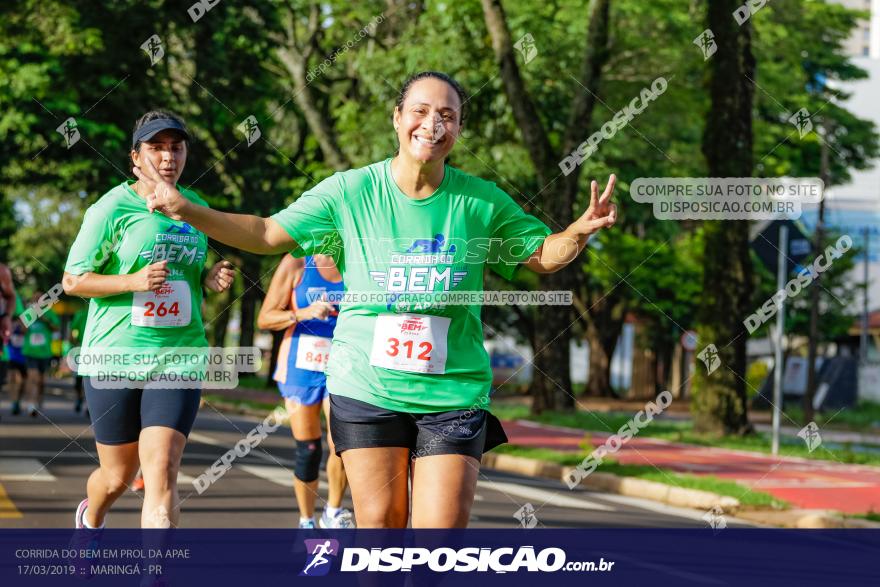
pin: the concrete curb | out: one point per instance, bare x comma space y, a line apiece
654, 490
803, 518
630, 486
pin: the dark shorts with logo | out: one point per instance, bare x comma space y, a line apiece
357, 424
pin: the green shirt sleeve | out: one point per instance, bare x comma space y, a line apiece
515, 235
93, 242
311, 219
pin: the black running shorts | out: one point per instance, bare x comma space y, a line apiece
357, 424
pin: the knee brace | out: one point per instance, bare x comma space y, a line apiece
308, 460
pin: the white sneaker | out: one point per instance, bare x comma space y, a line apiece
342, 519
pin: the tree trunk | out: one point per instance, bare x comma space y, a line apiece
719, 399
253, 293
294, 56
663, 362
552, 380
602, 335
221, 322
819, 238
599, 380
321, 126
277, 338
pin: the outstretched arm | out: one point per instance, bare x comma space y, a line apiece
243, 231
561, 248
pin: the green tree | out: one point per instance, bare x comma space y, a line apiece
719, 400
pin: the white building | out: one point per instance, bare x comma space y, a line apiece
865, 39
853, 207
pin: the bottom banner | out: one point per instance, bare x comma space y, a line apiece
215, 558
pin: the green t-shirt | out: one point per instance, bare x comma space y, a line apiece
38, 337
119, 236
387, 243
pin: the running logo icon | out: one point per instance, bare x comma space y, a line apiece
710, 358
706, 42
801, 121
318, 563
154, 49
69, 131
810, 435
185, 229
715, 518
430, 245
526, 516
250, 129
527, 48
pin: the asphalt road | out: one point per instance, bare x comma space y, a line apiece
44, 463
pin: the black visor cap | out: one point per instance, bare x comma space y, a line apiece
154, 127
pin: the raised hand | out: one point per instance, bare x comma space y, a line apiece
602, 213
220, 277
162, 195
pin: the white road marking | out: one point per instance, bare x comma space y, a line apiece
542, 496
255, 452
24, 470
184, 479
204, 439
277, 475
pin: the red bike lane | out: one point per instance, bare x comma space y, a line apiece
853, 489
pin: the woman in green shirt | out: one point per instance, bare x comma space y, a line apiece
145, 275
408, 377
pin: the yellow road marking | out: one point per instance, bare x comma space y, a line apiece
7, 508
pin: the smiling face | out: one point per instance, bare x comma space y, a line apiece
429, 121
166, 150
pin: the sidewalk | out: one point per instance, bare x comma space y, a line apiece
809, 484
853, 489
